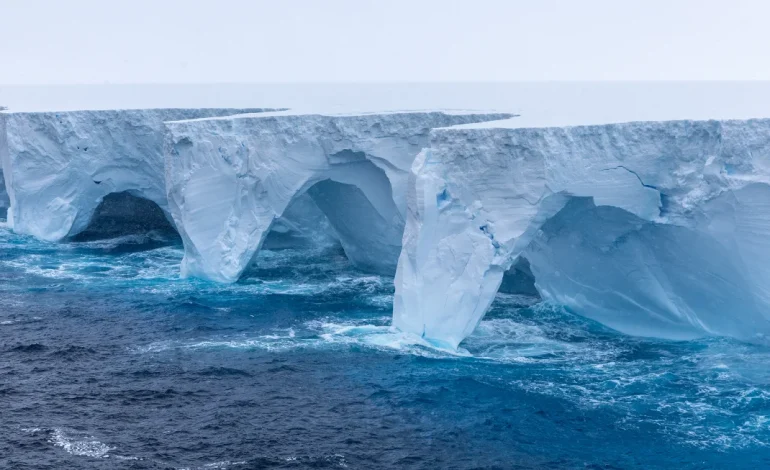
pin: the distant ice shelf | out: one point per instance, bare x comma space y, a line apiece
652, 228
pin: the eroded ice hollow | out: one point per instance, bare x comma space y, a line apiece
229, 180
4, 200
58, 166
652, 228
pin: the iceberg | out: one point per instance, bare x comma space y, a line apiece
229, 179
657, 228
58, 166
651, 228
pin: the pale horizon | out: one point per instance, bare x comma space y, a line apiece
345, 41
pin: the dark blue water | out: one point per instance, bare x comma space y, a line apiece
108, 360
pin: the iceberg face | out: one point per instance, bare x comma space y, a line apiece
59, 165
656, 229
229, 179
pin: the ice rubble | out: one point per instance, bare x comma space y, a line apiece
652, 228
59, 165
230, 178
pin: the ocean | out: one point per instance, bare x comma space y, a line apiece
109, 360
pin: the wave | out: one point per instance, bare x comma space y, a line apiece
74, 442
506, 340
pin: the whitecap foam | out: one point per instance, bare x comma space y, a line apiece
320, 334
79, 444
223, 464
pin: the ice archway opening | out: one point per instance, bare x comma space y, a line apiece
334, 216
352, 194
352, 208
125, 213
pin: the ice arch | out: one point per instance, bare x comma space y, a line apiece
58, 166
229, 179
653, 228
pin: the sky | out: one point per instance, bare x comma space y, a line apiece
288, 41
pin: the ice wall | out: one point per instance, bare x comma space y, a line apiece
230, 178
652, 228
59, 165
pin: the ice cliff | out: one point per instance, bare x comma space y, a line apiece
59, 165
652, 228
229, 179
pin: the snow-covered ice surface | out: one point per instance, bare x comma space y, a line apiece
59, 165
229, 179
653, 228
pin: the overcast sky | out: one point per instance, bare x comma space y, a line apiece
215, 41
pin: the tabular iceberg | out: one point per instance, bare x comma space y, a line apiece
229, 179
59, 165
652, 228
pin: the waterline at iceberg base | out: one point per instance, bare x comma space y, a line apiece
620, 269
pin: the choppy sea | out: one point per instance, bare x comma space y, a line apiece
109, 360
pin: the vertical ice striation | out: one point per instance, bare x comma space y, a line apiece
230, 178
652, 228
